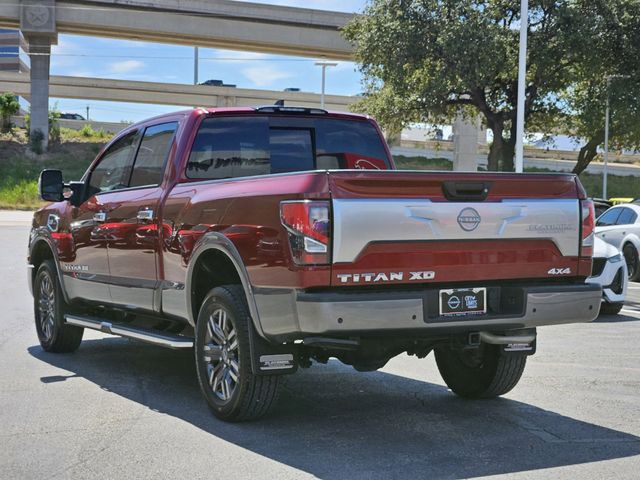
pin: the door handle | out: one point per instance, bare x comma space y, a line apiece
99, 217
145, 215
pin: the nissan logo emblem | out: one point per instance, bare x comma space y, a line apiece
469, 219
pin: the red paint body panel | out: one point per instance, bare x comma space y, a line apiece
247, 211
459, 261
406, 184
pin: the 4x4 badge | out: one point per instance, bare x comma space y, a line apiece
469, 219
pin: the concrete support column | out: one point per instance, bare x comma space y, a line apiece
465, 144
38, 25
39, 50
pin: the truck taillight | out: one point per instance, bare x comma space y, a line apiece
308, 225
588, 227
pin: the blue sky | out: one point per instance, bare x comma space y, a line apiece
120, 59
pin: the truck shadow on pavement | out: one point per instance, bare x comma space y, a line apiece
333, 422
619, 318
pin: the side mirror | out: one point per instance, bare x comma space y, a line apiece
51, 185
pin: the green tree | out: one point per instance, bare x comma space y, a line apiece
614, 52
8, 106
425, 60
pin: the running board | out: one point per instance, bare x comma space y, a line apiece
144, 335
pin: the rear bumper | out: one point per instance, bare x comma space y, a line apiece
296, 314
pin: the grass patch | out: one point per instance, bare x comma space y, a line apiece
22, 195
617, 186
19, 168
422, 163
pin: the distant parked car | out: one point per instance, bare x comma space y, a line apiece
217, 83
620, 200
610, 272
601, 205
71, 116
620, 226
292, 89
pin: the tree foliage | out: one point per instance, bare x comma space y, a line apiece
8, 106
614, 51
424, 60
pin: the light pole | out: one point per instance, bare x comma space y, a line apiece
324, 66
606, 135
195, 65
522, 75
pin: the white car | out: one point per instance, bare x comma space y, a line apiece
609, 271
620, 226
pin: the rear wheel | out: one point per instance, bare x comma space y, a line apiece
631, 256
49, 310
479, 373
223, 358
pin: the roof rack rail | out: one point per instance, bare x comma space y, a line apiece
283, 109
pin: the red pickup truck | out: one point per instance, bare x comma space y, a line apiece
270, 237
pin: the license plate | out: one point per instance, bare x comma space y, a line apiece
463, 301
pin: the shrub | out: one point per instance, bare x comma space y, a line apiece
87, 131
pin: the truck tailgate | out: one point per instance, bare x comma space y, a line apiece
419, 227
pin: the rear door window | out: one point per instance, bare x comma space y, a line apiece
148, 168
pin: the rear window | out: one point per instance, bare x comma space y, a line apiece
627, 217
227, 147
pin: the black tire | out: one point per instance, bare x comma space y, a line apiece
632, 258
49, 310
249, 396
610, 308
481, 373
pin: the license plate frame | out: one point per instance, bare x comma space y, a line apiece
462, 302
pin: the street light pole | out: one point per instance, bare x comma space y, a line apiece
606, 143
324, 66
607, 109
522, 75
195, 65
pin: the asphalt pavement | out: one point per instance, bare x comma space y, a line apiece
121, 409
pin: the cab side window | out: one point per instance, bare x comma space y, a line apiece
114, 168
148, 169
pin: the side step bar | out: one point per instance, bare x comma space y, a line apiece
144, 335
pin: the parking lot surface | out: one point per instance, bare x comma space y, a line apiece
120, 409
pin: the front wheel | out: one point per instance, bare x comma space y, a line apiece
479, 373
223, 358
630, 253
611, 308
49, 310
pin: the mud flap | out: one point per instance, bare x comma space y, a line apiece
271, 359
520, 348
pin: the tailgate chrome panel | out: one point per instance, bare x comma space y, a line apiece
358, 222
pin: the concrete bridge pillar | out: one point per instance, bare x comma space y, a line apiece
465, 143
38, 25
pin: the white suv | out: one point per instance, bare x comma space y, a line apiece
609, 271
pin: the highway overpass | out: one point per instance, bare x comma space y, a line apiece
167, 93
220, 24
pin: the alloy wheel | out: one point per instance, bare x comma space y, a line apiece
47, 306
221, 354
631, 258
